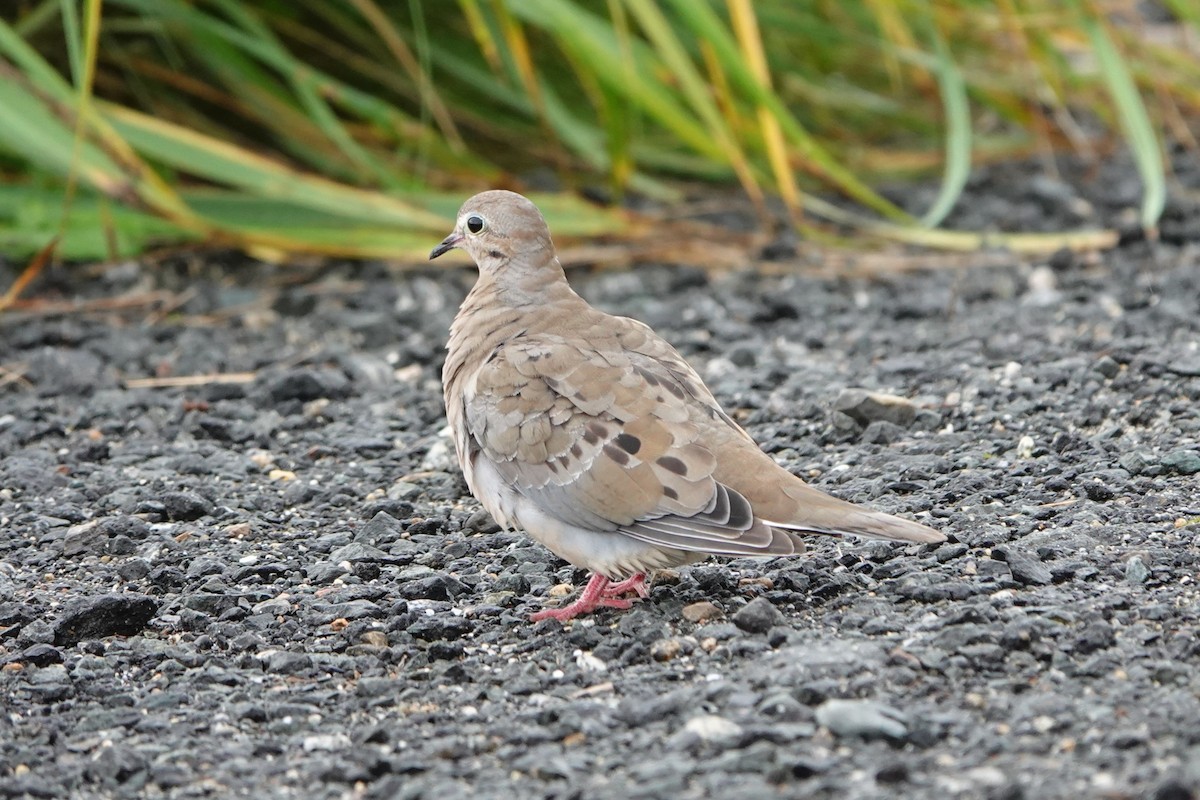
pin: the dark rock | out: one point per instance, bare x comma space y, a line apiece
105, 615
1173, 790
805, 768
895, 772
925, 592
432, 587
185, 506
1098, 491
287, 662
481, 522
758, 616
41, 655
1097, 635
1009, 790
201, 567
442, 650
432, 627
309, 384
352, 609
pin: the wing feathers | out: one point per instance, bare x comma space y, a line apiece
610, 440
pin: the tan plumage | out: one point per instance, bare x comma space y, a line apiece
595, 436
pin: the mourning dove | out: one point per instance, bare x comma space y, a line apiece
595, 436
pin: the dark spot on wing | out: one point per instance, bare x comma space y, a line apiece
576, 450
629, 443
673, 464
649, 377
671, 493
616, 454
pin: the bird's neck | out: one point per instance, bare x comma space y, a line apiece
505, 304
522, 289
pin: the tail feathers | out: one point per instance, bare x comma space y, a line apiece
870, 526
820, 513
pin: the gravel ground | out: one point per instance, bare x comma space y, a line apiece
281, 589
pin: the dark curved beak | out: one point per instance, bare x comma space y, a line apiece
449, 243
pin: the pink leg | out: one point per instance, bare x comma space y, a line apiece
599, 593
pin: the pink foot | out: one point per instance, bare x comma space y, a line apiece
599, 593
635, 584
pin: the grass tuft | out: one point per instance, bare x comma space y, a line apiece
353, 127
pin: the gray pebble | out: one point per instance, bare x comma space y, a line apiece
865, 718
1136, 571
357, 551
865, 407
1025, 567
1185, 462
1107, 366
287, 662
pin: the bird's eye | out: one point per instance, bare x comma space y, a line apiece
474, 223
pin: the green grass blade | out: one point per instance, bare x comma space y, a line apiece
116, 170
958, 136
31, 131
706, 25
596, 44
307, 84
1134, 120
224, 163
94, 228
70, 20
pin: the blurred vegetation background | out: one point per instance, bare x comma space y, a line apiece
356, 127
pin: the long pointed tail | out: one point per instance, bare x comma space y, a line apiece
828, 515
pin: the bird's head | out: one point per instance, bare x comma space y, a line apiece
494, 227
